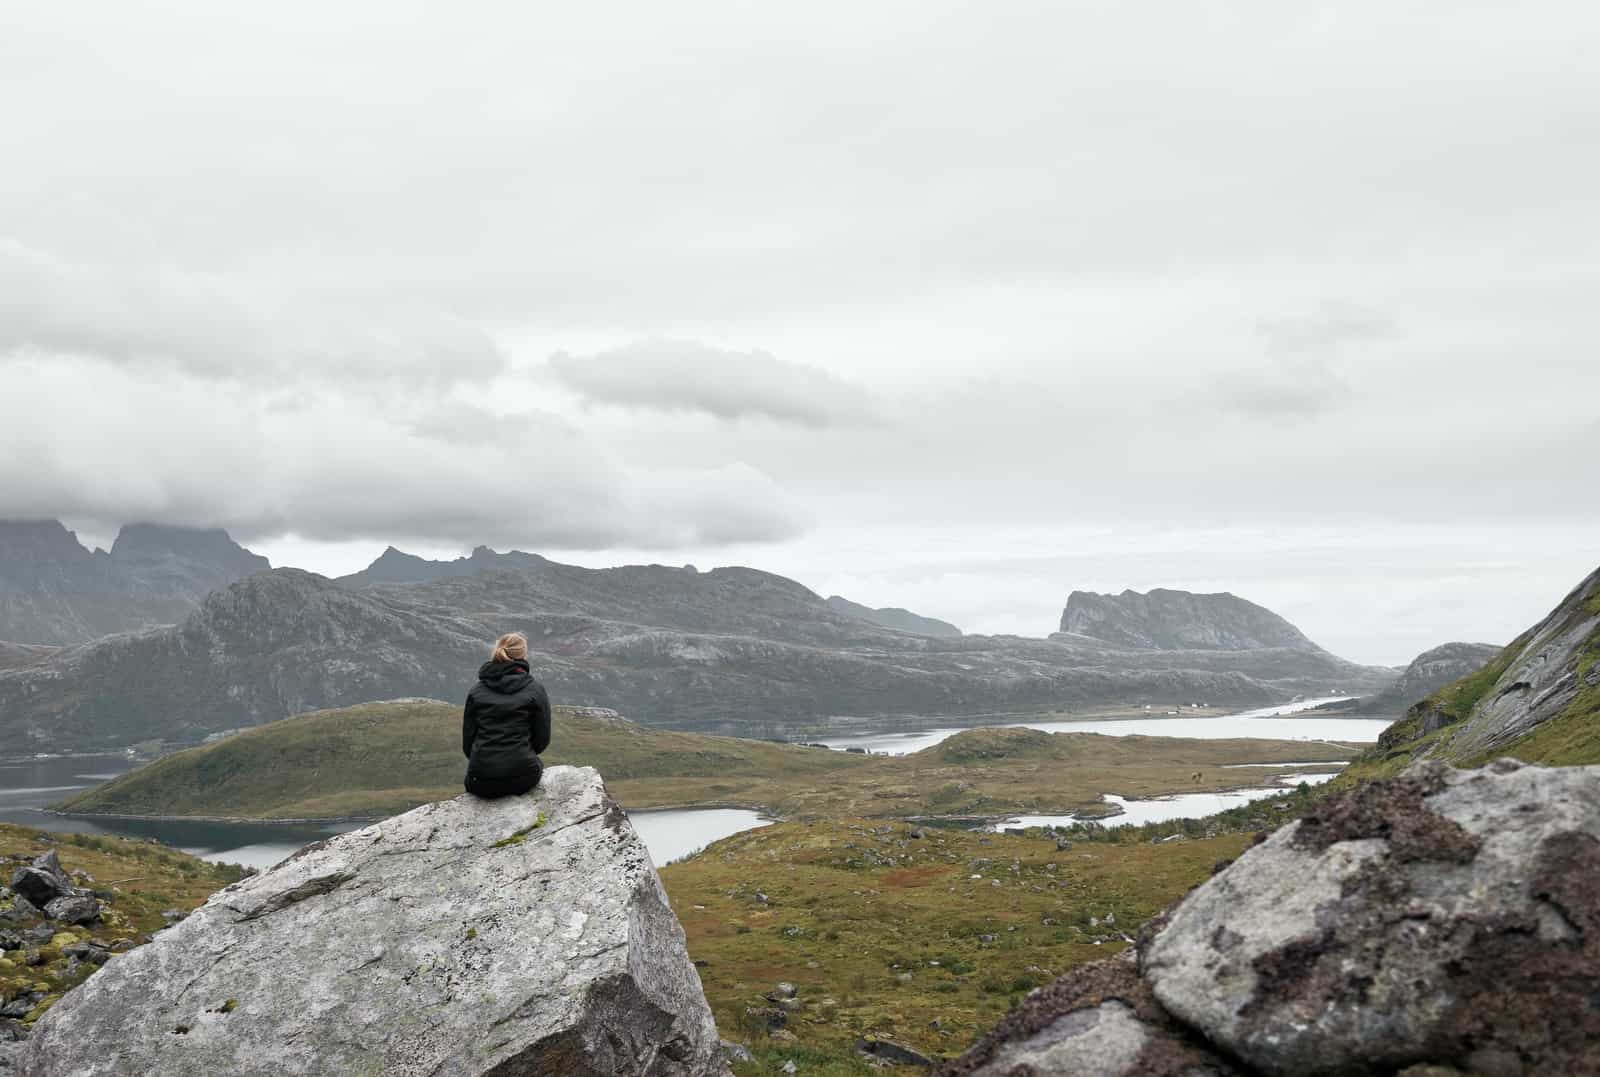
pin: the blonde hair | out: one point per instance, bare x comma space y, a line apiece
509, 647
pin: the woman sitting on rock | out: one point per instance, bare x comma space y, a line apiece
505, 724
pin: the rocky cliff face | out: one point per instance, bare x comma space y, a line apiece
1538, 699
894, 617
54, 591
1438, 924
734, 650
1428, 672
1179, 620
522, 936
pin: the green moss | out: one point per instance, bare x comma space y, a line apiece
522, 835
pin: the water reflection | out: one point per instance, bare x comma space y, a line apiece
27, 786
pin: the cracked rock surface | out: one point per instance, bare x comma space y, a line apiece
528, 935
1443, 922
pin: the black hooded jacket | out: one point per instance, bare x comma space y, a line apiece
506, 721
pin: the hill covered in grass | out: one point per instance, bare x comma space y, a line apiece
377, 759
1538, 700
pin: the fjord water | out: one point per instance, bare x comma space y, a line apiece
27, 786
1268, 723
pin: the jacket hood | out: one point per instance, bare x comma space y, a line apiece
506, 677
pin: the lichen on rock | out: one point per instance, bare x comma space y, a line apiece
424, 944
1441, 922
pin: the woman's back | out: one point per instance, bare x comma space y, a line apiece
506, 722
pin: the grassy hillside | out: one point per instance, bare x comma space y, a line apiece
381, 758
924, 941
142, 879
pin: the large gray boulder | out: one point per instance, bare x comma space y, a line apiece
515, 937
1444, 922
1098, 1021
1446, 916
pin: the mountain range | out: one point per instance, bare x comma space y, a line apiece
732, 650
55, 591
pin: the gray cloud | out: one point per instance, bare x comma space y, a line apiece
300, 266
172, 447
1299, 375
683, 376
220, 325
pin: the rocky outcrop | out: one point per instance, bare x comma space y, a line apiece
1430, 671
1426, 674
731, 650
1537, 699
1444, 922
901, 620
1548, 670
522, 936
54, 591
43, 888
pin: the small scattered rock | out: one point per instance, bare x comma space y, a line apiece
736, 1052
893, 1053
75, 908
37, 886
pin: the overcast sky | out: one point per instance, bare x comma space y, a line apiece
951, 306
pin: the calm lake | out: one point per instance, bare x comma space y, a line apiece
26, 787
29, 785
1269, 723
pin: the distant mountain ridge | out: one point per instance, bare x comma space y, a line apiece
396, 566
731, 650
894, 617
1430, 671
53, 590
1164, 620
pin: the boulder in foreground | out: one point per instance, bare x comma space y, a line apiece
1443, 922
515, 937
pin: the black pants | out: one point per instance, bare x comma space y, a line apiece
514, 786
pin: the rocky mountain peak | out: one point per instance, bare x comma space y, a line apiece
1167, 620
197, 547
31, 546
54, 591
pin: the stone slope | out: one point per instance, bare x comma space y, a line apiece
1428, 672
1441, 923
54, 591
733, 650
1538, 699
526, 935
1166, 620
